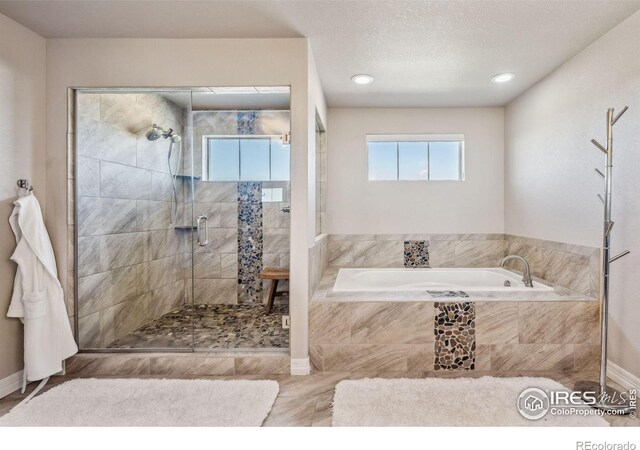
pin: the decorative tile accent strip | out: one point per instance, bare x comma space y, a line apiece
416, 254
449, 294
250, 242
246, 122
250, 192
455, 336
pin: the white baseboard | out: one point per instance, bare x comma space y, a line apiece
625, 379
300, 366
10, 384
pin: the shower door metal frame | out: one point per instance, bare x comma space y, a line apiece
72, 148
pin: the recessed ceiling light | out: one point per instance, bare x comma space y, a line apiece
362, 79
503, 77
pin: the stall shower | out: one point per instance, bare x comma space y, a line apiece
181, 202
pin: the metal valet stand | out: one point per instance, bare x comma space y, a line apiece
612, 400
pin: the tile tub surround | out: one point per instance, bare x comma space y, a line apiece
576, 267
318, 261
131, 263
388, 250
525, 336
571, 266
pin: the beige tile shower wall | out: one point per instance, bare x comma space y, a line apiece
573, 266
523, 337
276, 227
216, 265
131, 261
387, 250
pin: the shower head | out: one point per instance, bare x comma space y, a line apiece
155, 133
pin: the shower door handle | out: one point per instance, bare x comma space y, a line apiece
199, 220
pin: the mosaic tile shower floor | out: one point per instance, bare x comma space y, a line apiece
214, 327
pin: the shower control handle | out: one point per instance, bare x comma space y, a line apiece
199, 220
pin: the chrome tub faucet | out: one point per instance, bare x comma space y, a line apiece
526, 277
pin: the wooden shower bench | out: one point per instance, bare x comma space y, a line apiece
275, 275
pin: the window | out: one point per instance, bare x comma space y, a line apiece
263, 158
427, 158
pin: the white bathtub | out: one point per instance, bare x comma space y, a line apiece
440, 279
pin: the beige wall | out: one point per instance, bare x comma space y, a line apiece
22, 155
358, 206
549, 180
185, 62
303, 221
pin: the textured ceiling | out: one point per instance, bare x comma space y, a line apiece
421, 53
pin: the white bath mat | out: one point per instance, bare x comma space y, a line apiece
485, 401
134, 402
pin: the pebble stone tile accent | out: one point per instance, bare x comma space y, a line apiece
416, 254
448, 294
455, 336
246, 122
250, 242
212, 326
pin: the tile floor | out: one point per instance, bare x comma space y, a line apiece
212, 326
306, 401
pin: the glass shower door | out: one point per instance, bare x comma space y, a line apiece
242, 194
133, 229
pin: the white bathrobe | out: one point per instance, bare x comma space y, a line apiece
38, 299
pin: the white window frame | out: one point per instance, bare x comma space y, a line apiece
419, 138
205, 153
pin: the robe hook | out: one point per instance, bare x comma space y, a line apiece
24, 184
